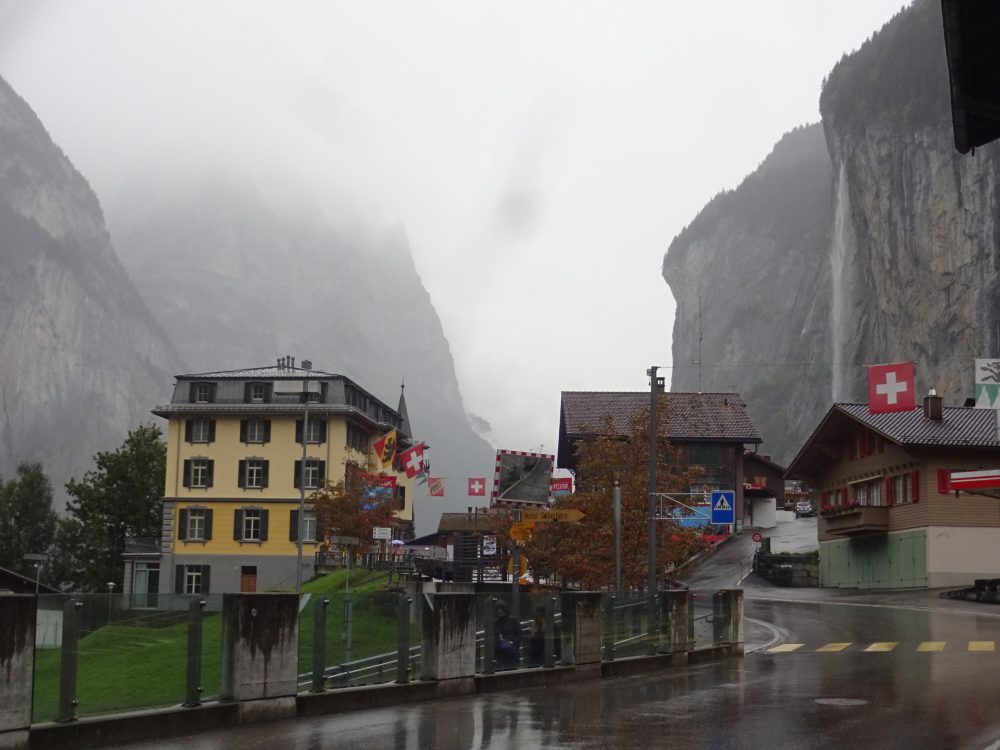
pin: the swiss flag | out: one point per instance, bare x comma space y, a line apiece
413, 460
477, 486
891, 388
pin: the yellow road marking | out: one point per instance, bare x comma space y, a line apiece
832, 647
982, 646
931, 646
784, 648
883, 646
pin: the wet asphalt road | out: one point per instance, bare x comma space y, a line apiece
801, 698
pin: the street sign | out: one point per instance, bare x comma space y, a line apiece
757, 537
382, 532
489, 545
345, 541
568, 515
723, 507
520, 532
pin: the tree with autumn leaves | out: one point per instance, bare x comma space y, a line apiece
353, 506
585, 552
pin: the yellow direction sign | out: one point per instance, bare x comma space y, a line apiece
567, 515
520, 532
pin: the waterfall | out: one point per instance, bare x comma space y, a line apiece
842, 236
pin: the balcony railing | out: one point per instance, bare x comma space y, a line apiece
861, 519
140, 546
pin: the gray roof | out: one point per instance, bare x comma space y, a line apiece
959, 425
690, 416
261, 373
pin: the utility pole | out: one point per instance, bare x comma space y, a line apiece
651, 505
302, 487
618, 536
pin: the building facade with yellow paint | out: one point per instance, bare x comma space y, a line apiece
235, 469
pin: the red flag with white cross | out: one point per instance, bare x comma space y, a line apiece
412, 460
477, 486
891, 388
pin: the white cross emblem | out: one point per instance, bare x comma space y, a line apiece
890, 388
477, 486
415, 461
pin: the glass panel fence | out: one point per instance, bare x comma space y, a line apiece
701, 619
362, 637
518, 631
626, 624
126, 656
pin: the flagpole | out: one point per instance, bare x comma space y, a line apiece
302, 488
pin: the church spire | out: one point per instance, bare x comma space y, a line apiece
405, 427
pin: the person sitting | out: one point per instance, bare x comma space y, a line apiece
507, 638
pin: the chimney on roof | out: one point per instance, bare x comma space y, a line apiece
291, 361
933, 405
306, 364
281, 362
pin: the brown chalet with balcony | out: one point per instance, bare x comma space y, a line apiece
708, 430
887, 515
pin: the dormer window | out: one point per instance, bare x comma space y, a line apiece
257, 393
202, 393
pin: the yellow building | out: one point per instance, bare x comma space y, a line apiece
234, 471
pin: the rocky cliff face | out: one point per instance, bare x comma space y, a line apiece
751, 279
82, 357
880, 244
238, 283
917, 256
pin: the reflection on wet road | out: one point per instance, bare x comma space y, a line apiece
848, 697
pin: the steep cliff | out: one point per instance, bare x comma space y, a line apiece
916, 257
750, 276
82, 357
238, 282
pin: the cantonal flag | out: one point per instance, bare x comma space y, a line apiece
385, 448
435, 486
477, 486
412, 460
891, 388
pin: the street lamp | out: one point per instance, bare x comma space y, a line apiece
616, 474
111, 591
37, 561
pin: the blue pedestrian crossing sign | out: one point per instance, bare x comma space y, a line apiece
723, 506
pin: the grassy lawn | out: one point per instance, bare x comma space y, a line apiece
122, 667
374, 624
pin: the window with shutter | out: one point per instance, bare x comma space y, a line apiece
208, 524
293, 526
187, 472
238, 524
916, 486
182, 524
944, 481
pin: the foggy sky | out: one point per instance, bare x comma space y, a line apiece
540, 155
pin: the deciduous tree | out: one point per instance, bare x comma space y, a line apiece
27, 520
354, 505
585, 552
121, 498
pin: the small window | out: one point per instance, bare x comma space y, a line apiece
193, 579
256, 430
201, 431
255, 473
202, 393
309, 526
357, 438
312, 397
251, 525
315, 473
258, 392
200, 468
315, 430
196, 524
706, 454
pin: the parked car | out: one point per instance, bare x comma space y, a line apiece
804, 508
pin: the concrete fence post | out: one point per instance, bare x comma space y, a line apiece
674, 622
582, 631
260, 654
736, 618
449, 636
17, 662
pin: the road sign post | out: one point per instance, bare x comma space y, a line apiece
723, 507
